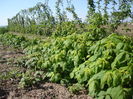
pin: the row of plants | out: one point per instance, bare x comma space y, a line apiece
40, 19
19, 42
93, 60
104, 66
86, 57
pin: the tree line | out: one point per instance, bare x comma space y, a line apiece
41, 20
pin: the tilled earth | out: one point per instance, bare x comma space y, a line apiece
9, 81
125, 30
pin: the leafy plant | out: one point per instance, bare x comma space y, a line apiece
76, 88
3, 30
99, 65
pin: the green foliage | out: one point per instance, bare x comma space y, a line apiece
76, 88
10, 74
31, 77
95, 60
67, 28
115, 93
40, 20
37, 20
96, 29
17, 41
3, 30
108, 65
98, 65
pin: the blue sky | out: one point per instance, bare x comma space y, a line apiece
9, 8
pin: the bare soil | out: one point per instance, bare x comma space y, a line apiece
9, 81
125, 29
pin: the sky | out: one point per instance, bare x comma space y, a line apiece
9, 8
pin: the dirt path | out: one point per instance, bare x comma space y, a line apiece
10, 77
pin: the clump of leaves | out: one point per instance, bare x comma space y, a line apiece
19, 42
115, 93
10, 74
67, 28
96, 27
31, 77
76, 88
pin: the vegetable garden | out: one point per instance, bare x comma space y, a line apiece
78, 55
